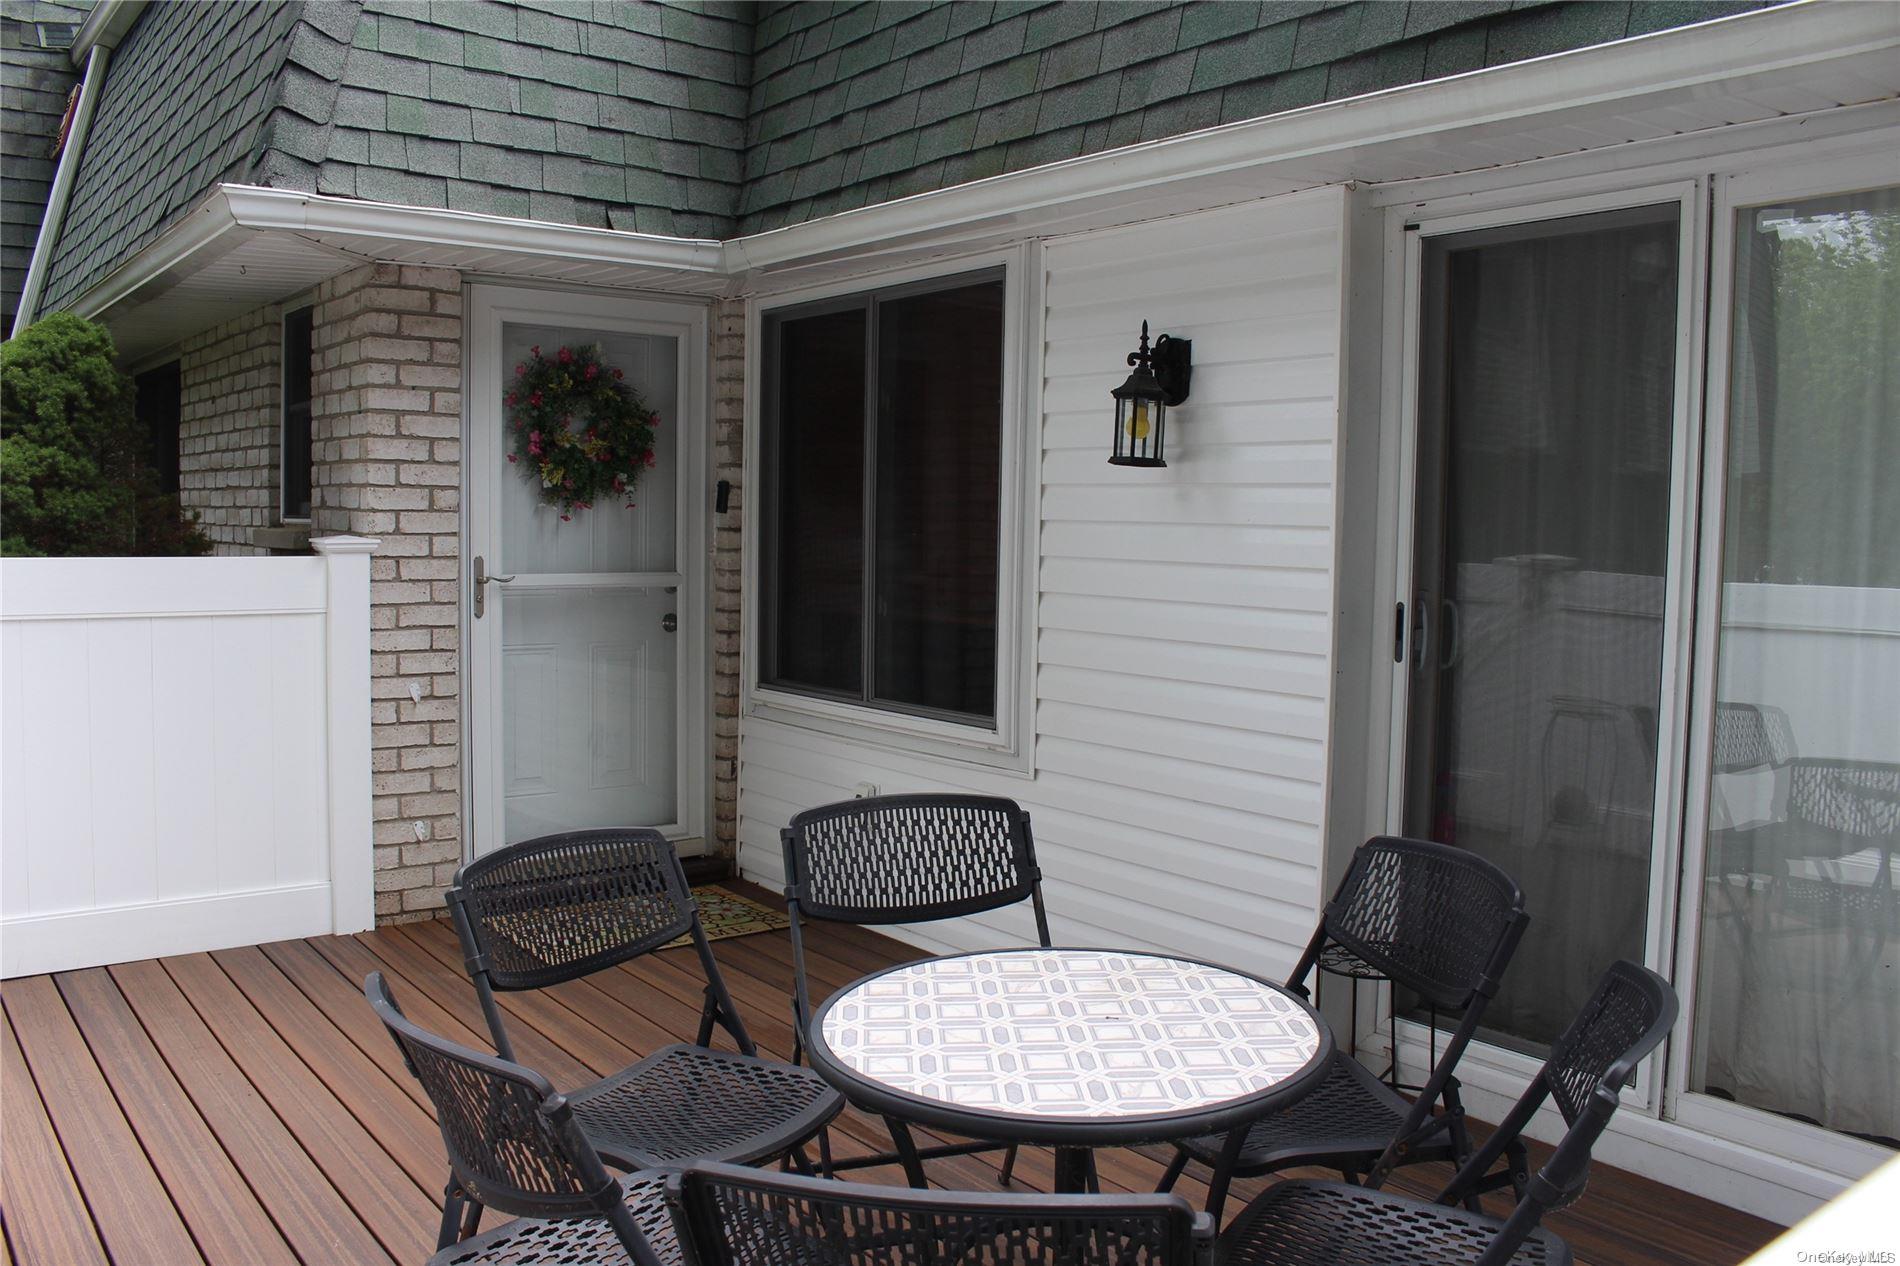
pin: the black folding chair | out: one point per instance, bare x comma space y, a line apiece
1438, 921
907, 859
513, 1144
745, 1217
565, 906
1302, 1223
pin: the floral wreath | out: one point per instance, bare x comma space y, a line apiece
579, 428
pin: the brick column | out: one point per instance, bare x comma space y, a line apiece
386, 420
728, 421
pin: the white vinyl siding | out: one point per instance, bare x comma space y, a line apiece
1183, 631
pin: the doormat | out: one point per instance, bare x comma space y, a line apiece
726, 914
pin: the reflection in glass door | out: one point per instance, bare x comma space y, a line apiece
1799, 915
1546, 416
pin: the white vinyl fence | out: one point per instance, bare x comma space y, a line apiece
184, 754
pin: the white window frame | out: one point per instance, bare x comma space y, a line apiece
283, 413
1006, 744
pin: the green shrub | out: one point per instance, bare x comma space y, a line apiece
72, 478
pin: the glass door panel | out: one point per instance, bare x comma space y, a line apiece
589, 676
1547, 382
1798, 991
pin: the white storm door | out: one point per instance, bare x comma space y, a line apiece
585, 664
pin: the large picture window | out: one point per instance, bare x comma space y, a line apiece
881, 453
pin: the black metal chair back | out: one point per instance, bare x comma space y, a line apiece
1439, 921
749, 1217
564, 906
511, 1138
906, 859
1626, 1017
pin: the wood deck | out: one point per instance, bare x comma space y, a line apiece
246, 1106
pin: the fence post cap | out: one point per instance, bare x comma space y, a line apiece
346, 544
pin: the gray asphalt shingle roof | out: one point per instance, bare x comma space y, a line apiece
707, 118
859, 103
184, 96
604, 114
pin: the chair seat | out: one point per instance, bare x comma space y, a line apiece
566, 1241
1344, 1124
1301, 1223
688, 1103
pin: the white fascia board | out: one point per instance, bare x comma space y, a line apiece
1681, 59
230, 214
318, 214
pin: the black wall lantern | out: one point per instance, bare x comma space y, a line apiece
1160, 380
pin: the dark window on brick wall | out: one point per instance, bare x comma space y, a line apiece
881, 447
296, 436
158, 409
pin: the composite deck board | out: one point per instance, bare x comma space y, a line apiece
316, 1220
206, 1186
46, 1218
386, 1198
323, 988
136, 1218
259, 1078
401, 1126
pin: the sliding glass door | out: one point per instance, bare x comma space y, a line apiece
1796, 1007
1547, 410
1649, 657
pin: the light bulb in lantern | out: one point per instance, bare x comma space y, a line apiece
1138, 420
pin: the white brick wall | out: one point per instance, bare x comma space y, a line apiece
232, 397
386, 417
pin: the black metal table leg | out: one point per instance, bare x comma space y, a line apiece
907, 1153
1075, 1168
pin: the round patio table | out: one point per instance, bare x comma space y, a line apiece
1069, 1048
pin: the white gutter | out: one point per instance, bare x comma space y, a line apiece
232, 213
106, 24
62, 191
258, 208
189, 240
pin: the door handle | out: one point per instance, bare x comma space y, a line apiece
670, 621
481, 585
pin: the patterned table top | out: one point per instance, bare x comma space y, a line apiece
1070, 1033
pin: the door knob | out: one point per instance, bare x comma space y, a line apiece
670, 621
